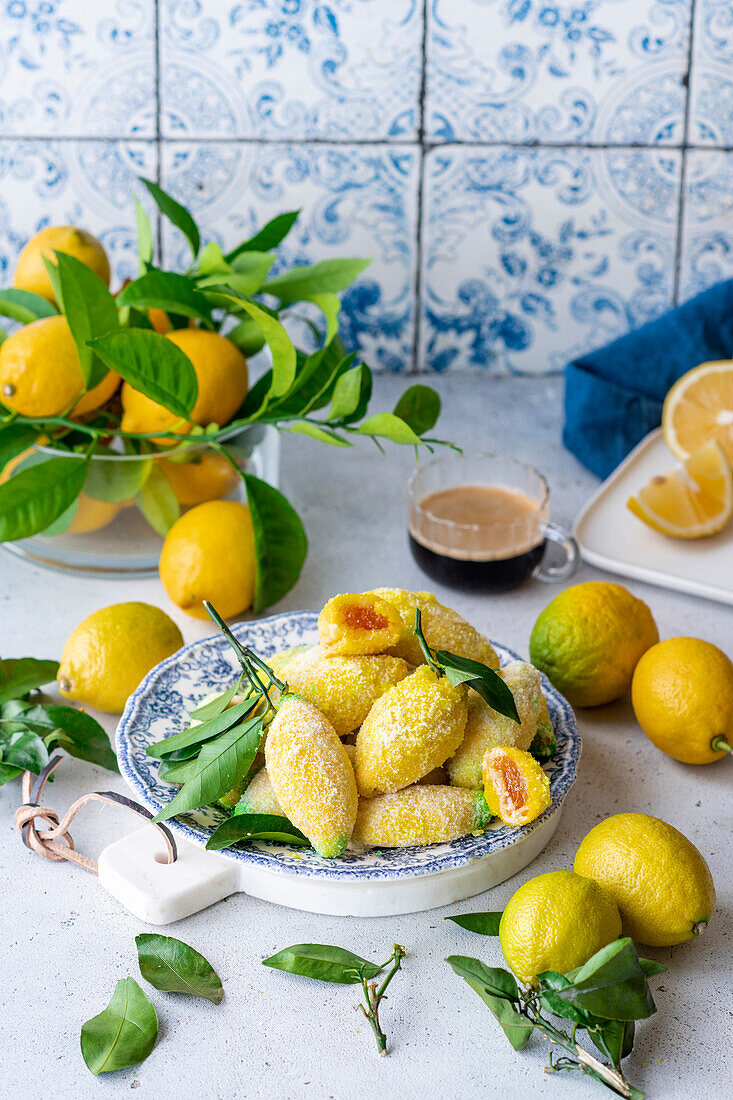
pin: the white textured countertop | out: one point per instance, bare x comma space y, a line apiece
66, 942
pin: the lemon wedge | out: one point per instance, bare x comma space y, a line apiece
691, 501
699, 407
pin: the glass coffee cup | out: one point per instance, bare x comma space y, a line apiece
482, 522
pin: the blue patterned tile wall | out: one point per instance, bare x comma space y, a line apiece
532, 177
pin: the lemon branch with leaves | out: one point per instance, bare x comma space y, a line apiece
324, 393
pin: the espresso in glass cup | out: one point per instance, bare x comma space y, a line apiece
482, 522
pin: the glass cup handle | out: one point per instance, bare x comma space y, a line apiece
563, 538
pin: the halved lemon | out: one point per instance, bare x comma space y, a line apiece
691, 501
699, 407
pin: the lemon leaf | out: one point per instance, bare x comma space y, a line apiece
144, 237
351, 394
219, 703
153, 365
255, 827
316, 431
32, 499
389, 426
419, 407
90, 311
166, 290
203, 731
221, 764
115, 481
266, 238
123, 1034
281, 544
176, 967
73, 730
14, 439
328, 276
175, 213
157, 502
247, 336
484, 924
324, 963
24, 305
19, 675
499, 992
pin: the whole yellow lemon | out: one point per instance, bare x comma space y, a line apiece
40, 373
589, 639
682, 694
30, 271
221, 372
91, 515
209, 554
110, 651
659, 880
556, 922
205, 476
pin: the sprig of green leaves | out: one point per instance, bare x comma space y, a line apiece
462, 670
30, 730
326, 963
605, 998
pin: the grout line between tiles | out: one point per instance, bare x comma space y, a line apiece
685, 148
415, 366
158, 128
427, 146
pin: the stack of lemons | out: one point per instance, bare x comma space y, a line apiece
596, 641
40, 376
633, 875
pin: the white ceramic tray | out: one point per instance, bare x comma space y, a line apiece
612, 538
358, 883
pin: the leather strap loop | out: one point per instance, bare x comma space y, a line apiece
55, 843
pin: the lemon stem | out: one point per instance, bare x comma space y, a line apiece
249, 661
719, 744
424, 645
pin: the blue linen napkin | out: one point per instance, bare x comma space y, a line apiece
614, 396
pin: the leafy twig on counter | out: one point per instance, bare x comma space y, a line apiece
334, 964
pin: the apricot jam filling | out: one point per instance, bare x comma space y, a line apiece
513, 780
364, 617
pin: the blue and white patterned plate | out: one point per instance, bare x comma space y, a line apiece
161, 706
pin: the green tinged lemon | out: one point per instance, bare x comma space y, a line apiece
589, 639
